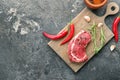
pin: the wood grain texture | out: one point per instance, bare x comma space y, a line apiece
81, 24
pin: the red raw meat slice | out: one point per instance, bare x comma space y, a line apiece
76, 47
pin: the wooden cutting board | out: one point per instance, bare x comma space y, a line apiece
81, 24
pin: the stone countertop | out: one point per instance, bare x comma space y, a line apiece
24, 53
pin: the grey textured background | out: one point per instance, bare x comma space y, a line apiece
24, 53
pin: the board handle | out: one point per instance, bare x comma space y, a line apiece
112, 9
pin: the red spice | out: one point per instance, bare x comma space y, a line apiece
96, 1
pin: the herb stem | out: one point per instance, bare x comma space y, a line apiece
94, 36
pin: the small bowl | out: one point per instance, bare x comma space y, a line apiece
94, 6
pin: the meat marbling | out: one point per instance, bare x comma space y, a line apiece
77, 47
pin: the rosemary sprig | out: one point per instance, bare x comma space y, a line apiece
93, 32
102, 37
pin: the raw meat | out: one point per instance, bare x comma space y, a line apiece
77, 47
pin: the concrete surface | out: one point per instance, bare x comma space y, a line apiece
24, 53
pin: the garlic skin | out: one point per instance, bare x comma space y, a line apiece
87, 18
112, 47
100, 25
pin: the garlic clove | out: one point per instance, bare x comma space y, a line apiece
112, 47
87, 18
100, 25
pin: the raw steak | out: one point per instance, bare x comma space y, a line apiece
77, 47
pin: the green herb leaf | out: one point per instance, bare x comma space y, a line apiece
102, 37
